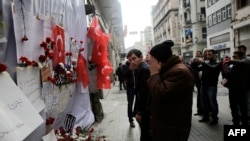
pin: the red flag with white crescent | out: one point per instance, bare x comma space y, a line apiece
59, 49
103, 76
94, 31
82, 75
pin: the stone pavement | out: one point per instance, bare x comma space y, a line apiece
116, 127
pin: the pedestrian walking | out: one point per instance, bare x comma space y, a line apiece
142, 114
131, 78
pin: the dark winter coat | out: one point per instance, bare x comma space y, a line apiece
171, 101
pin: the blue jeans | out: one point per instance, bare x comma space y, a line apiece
209, 102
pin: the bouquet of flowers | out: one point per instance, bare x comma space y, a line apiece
78, 134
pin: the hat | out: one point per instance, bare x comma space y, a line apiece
162, 52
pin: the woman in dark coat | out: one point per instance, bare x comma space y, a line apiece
171, 87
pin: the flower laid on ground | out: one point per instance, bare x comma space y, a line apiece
78, 134
3, 68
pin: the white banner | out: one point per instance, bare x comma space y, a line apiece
29, 81
18, 117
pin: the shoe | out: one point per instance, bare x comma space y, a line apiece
197, 114
204, 120
214, 122
132, 124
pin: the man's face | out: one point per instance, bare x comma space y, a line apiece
135, 61
235, 57
210, 55
205, 54
242, 50
198, 54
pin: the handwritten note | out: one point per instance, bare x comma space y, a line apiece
28, 80
50, 94
18, 117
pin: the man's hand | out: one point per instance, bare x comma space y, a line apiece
154, 65
138, 118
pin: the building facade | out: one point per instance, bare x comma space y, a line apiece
165, 23
193, 31
241, 23
219, 31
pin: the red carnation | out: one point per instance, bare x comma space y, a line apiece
42, 58
34, 64
43, 44
62, 131
78, 129
81, 49
23, 59
51, 55
47, 122
51, 120
28, 62
73, 63
48, 40
25, 38
52, 80
91, 130
69, 54
3, 68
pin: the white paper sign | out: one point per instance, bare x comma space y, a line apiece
29, 81
18, 117
50, 136
50, 94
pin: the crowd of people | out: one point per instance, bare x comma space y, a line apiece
162, 88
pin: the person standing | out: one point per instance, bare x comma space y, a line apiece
194, 65
120, 74
235, 74
130, 78
142, 114
210, 72
171, 87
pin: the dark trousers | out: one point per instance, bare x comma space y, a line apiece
198, 87
238, 105
145, 128
209, 99
96, 106
122, 84
131, 94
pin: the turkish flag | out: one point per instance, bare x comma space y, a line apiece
103, 76
81, 70
94, 32
59, 49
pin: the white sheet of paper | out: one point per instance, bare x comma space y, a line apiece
29, 81
34, 31
18, 116
50, 136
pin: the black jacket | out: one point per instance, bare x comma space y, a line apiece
210, 73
